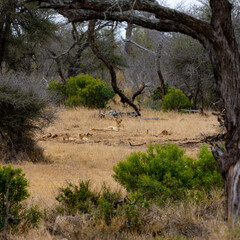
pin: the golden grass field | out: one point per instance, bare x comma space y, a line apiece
94, 158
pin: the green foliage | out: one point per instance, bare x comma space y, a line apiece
84, 90
101, 205
156, 94
22, 110
166, 173
132, 215
75, 198
79, 198
206, 172
58, 91
106, 207
15, 181
175, 100
25, 28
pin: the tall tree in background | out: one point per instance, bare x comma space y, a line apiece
22, 29
218, 38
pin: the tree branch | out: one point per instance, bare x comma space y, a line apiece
165, 19
139, 46
102, 57
110, 6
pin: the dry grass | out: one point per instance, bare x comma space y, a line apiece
93, 159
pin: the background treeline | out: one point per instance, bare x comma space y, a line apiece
40, 44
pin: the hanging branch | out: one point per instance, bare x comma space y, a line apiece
106, 61
157, 56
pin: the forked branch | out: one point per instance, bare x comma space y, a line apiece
100, 55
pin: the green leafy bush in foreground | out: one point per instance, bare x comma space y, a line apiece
167, 174
100, 205
13, 189
84, 90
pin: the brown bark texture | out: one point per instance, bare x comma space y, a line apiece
217, 36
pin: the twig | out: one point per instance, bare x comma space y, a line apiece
136, 145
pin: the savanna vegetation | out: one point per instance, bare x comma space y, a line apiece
106, 121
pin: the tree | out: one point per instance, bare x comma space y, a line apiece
22, 29
23, 110
218, 38
187, 65
109, 64
156, 53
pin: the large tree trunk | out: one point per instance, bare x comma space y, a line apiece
225, 59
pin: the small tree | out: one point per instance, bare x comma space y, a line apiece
22, 111
13, 192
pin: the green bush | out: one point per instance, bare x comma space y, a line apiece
75, 198
175, 99
23, 109
13, 186
156, 94
84, 90
102, 204
79, 198
166, 173
206, 174
58, 91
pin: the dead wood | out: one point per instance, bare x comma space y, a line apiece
136, 145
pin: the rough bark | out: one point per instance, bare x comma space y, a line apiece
216, 36
101, 56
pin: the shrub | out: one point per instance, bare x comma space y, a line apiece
79, 198
84, 90
58, 91
156, 94
166, 173
206, 174
175, 99
75, 198
13, 189
23, 109
102, 204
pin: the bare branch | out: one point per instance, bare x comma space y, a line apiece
139, 46
54, 56
107, 62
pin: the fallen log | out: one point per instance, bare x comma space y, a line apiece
136, 145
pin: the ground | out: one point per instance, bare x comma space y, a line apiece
72, 159
94, 158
